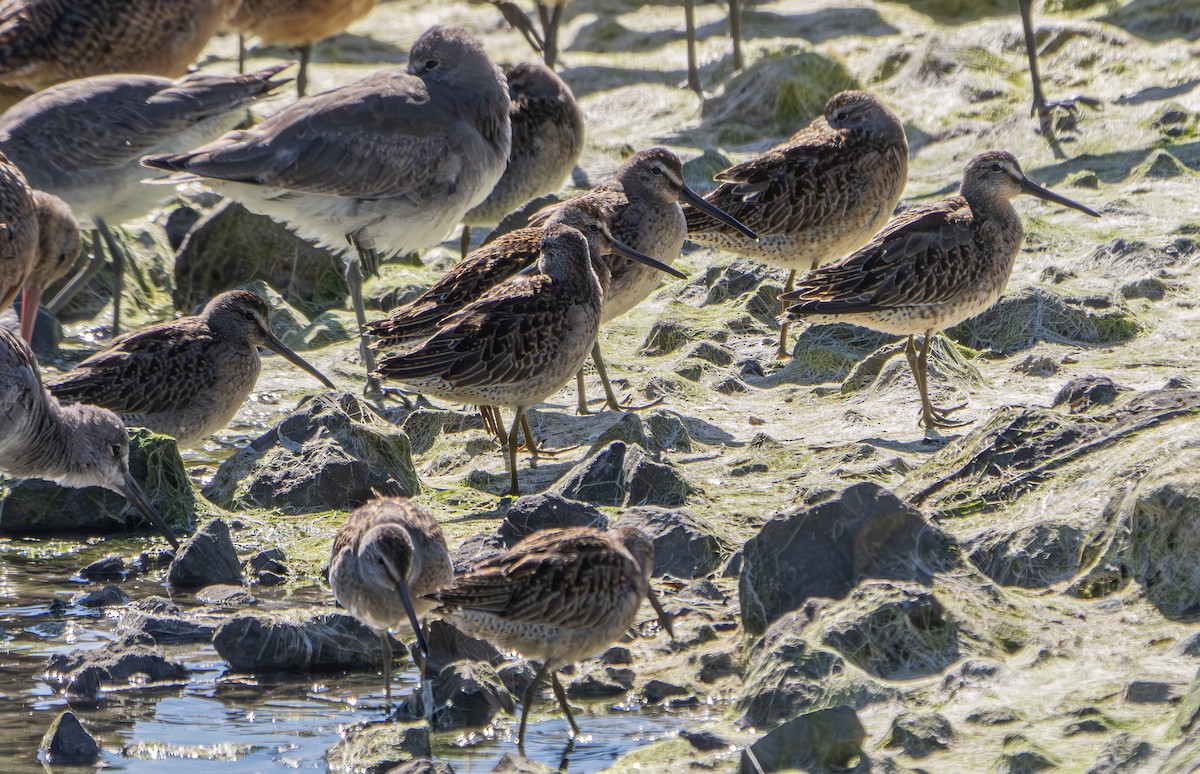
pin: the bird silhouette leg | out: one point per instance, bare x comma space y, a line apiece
514, 488
693, 76
581, 407
517, 19
305, 53
1041, 108
550, 35
117, 255
386, 642
735, 32
533, 447
932, 417
355, 261
464, 244
527, 702
784, 353
610, 397
561, 695
241, 53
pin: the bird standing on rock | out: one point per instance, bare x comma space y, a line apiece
932, 267
75, 446
391, 161
816, 197
185, 378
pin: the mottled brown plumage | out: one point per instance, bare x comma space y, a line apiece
547, 138
558, 596
75, 446
43, 42
296, 24
59, 242
186, 377
18, 231
934, 266
388, 555
816, 197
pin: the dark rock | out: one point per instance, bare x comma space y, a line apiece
105, 597
711, 353
422, 766
739, 278
110, 568
231, 246
628, 429
516, 676
823, 740
919, 734
512, 763
376, 747
34, 507
158, 605
623, 475
267, 568
333, 452
825, 549
466, 693
654, 691
1044, 316
447, 644
617, 654
67, 743
705, 741
601, 683
148, 561
224, 595
1037, 556
665, 337
714, 666
206, 558
525, 516
1086, 392
1088, 726
667, 432
1152, 692
994, 716
1037, 366
731, 385
1121, 754
748, 469
894, 631
256, 643
179, 222
1190, 645
81, 674
684, 545
1149, 288
164, 626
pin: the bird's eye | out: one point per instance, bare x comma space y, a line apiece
249, 316
116, 451
996, 167
840, 115
594, 228
656, 171
431, 64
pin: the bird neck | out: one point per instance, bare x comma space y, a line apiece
41, 446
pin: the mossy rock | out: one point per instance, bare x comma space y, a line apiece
1035, 314
779, 94
37, 507
334, 452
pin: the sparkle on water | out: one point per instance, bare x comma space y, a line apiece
258, 723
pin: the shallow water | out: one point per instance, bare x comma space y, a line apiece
220, 721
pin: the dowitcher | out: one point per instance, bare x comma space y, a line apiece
547, 138
388, 555
59, 243
18, 231
395, 159
520, 342
82, 141
44, 42
187, 377
644, 197
295, 24
558, 596
932, 267
76, 446
816, 197
1041, 107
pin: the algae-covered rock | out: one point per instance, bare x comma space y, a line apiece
36, 507
263, 643
231, 246
778, 94
824, 549
466, 693
823, 740
376, 747
333, 452
685, 546
1035, 314
894, 631
83, 674
67, 742
919, 734
206, 558
620, 474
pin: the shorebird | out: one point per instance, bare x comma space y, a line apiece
547, 138
388, 555
643, 197
18, 231
59, 243
735, 32
816, 197
295, 24
395, 159
82, 141
75, 446
44, 42
520, 342
558, 596
187, 377
932, 267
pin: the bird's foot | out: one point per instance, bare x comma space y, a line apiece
1043, 109
936, 417
616, 405
541, 451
